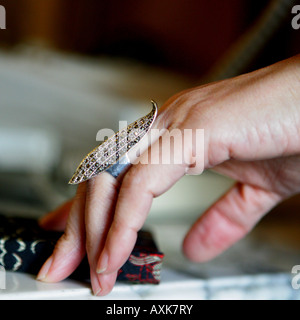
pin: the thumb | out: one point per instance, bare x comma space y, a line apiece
227, 221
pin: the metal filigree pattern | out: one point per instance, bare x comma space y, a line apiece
113, 149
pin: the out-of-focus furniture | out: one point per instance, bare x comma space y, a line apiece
185, 35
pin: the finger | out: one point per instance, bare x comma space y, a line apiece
143, 182
106, 282
227, 221
57, 219
140, 185
101, 194
70, 248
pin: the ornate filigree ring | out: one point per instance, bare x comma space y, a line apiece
112, 155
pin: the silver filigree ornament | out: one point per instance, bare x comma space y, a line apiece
108, 155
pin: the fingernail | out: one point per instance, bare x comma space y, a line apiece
44, 270
102, 263
96, 287
95, 284
97, 293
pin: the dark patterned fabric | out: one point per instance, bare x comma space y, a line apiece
24, 247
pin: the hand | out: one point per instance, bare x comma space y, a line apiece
252, 134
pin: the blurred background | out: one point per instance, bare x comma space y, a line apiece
184, 36
70, 68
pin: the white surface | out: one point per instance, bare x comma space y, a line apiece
174, 286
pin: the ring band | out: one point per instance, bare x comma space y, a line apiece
111, 155
119, 168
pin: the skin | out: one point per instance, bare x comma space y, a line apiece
252, 134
